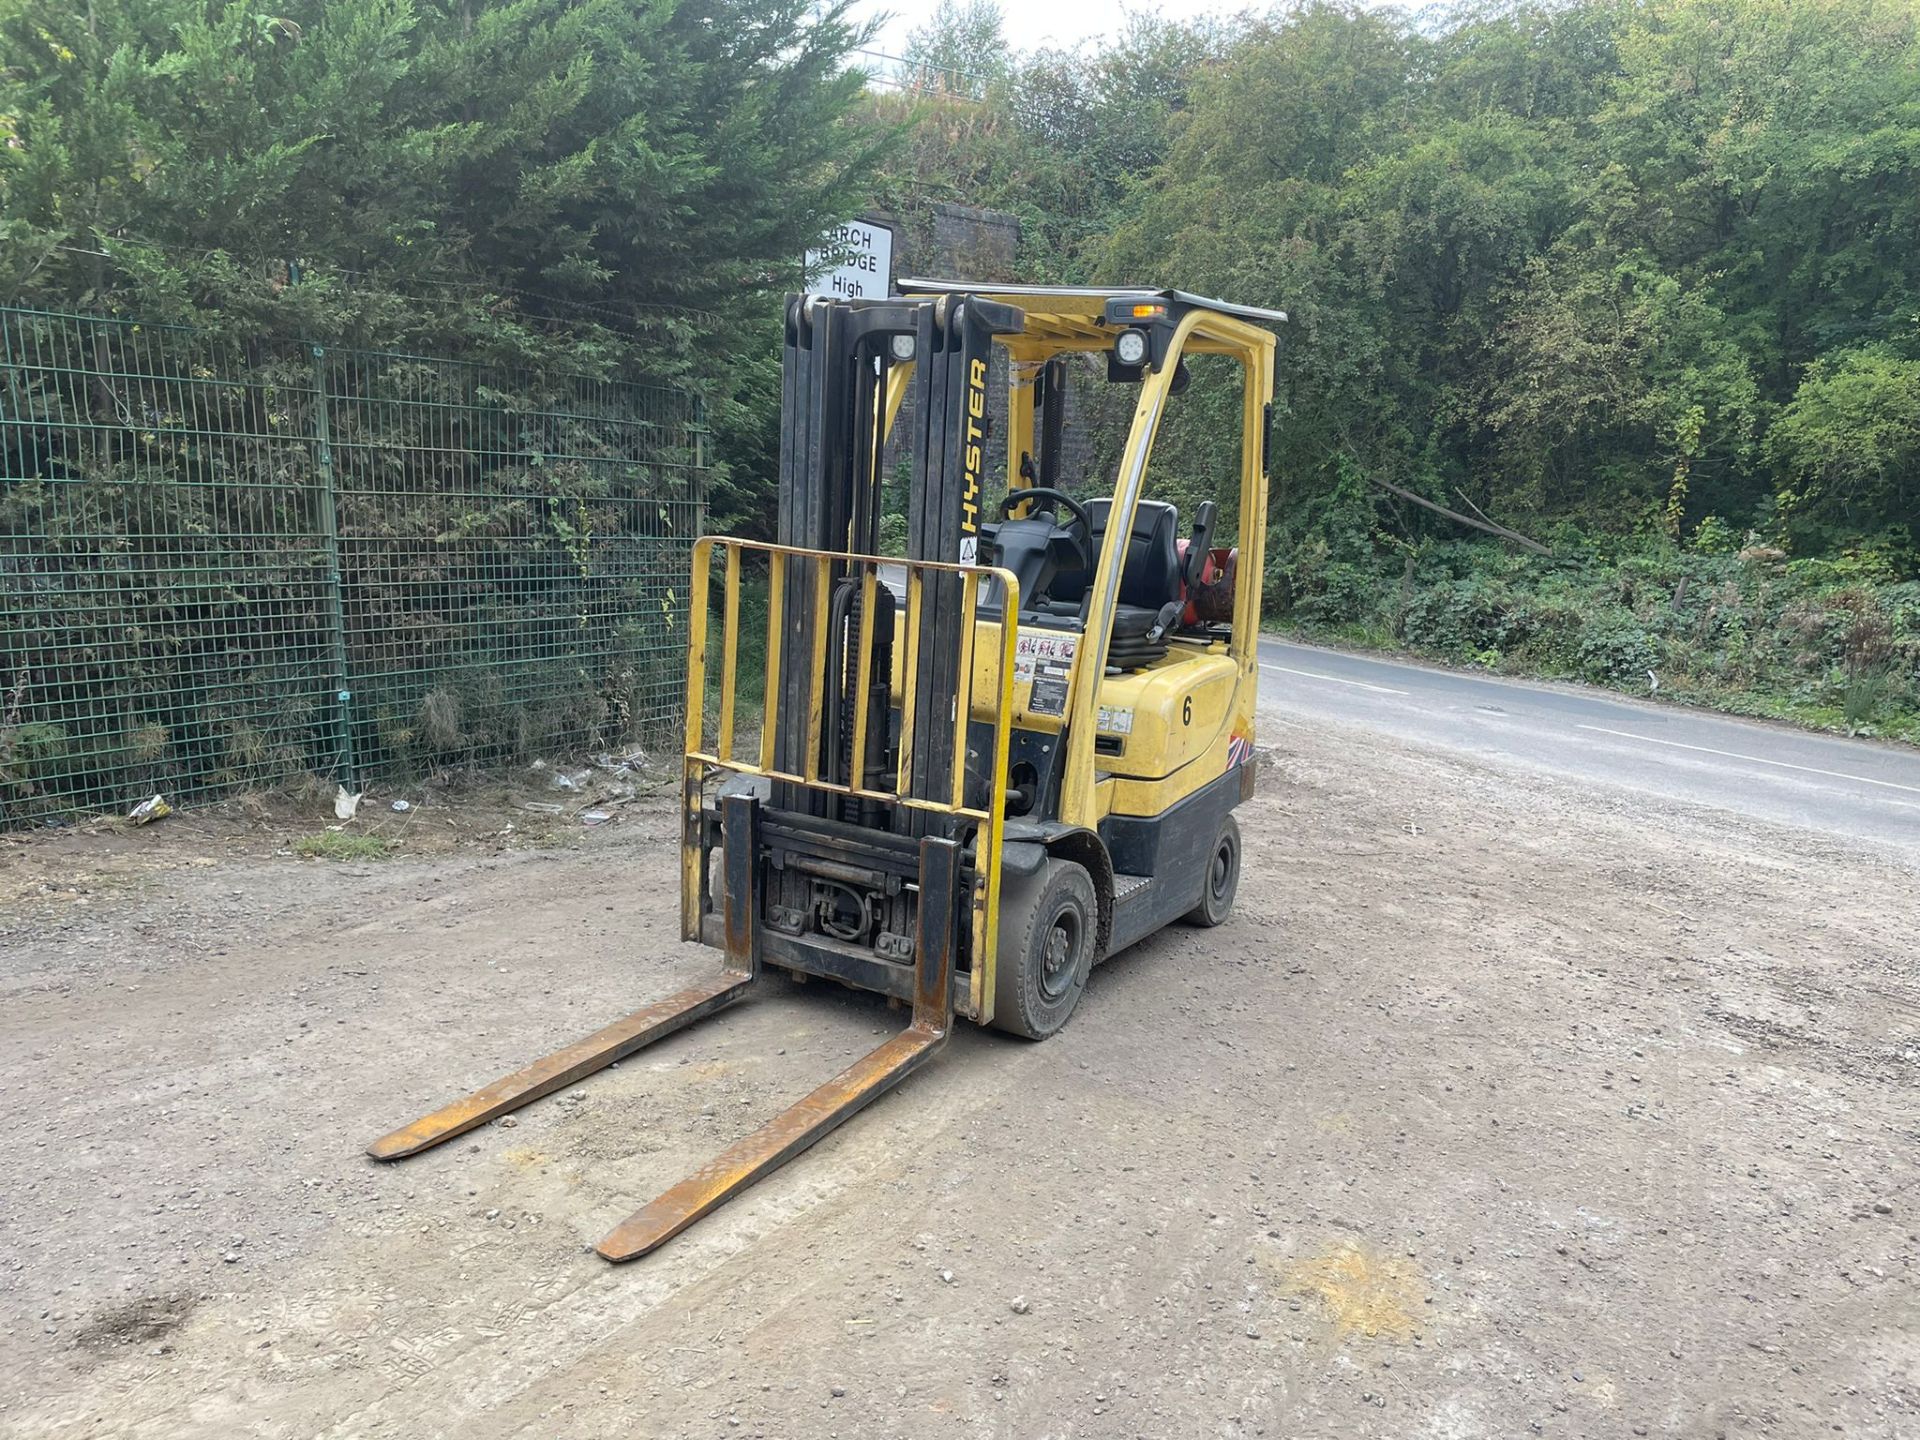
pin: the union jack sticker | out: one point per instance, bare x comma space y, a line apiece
1239, 750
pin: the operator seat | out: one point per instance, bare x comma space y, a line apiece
1149, 579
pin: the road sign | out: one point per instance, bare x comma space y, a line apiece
854, 262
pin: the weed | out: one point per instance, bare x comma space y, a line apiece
440, 720
334, 845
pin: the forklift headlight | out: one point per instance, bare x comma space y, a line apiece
902, 347
1130, 347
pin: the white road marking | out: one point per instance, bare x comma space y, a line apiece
1335, 679
1758, 760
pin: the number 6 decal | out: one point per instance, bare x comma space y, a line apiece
1186, 711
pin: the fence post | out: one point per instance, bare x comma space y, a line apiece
323, 466
699, 486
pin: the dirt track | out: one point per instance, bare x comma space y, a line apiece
1500, 1109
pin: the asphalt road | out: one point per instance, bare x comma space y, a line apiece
1858, 789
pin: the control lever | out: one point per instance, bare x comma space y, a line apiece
1200, 546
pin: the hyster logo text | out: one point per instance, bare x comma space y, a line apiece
974, 459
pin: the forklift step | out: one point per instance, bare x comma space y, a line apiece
563, 1067
1125, 887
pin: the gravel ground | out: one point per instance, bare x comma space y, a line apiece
1499, 1109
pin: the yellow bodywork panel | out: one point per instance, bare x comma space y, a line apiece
1155, 721
1120, 795
987, 648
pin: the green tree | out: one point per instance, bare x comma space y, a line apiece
1848, 445
960, 50
1059, 138
585, 183
1769, 151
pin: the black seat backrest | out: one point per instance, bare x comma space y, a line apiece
1150, 574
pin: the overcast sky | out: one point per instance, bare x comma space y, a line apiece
1034, 23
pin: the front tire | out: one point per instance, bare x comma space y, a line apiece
1049, 925
1222, 879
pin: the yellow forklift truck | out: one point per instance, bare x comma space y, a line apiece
981, 768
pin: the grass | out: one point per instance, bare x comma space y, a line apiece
333, 845
750, 659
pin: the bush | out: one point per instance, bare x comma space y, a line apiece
1831, 642
1615, 647
1471, 616
1713, 536
1344, 593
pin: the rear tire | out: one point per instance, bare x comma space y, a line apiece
1222, 879
1049, 925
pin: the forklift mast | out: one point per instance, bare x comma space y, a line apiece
839, 359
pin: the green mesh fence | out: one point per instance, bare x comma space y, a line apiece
225, 563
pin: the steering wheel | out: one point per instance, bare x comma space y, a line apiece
1049, 494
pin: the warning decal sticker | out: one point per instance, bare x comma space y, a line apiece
1044, 660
